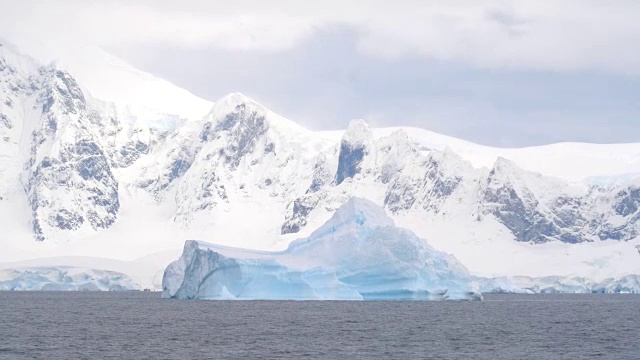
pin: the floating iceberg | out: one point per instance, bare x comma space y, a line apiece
629, 284
64, 279
359, 254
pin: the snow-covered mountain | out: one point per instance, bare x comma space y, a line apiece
82, 176
145, 97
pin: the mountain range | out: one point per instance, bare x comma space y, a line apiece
87, 170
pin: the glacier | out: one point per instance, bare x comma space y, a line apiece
64, 278
629, 284
359, 254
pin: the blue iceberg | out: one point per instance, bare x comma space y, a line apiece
359, 254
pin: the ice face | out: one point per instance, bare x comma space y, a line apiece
629, 284
359, 254
64, 278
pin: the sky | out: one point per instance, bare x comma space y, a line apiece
500, 73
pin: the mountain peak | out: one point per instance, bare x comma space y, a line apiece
233, 110
358, 133
451, 160
234, 96
15, 60
236, 102
353, 148
506, 166
229, 102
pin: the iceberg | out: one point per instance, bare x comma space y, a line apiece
64, 278
358, 254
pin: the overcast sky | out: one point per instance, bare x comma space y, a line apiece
505, 73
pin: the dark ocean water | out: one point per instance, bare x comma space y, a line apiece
135, 325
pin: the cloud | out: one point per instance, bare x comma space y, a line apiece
110, 23
324, 83
566, 35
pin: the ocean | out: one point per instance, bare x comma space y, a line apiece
141, 325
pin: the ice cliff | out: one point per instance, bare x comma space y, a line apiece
64, 278
629, 284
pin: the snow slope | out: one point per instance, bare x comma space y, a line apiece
89, 170
358, 254
135, 93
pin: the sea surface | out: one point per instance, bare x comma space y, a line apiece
139, 325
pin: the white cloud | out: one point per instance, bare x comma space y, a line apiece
113, 23
527, 34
